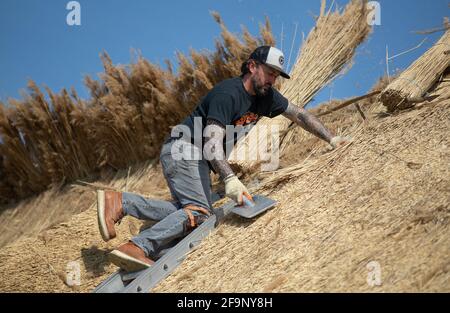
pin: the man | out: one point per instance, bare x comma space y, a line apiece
238, 101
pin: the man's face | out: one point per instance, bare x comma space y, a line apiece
263, 78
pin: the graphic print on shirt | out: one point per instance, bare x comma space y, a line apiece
247, 119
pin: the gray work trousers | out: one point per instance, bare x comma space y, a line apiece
189, 183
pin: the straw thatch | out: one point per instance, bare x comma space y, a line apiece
412, 85
328, 48
384, 198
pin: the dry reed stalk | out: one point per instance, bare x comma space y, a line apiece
411, 86
349, 102
40, 144
329, 47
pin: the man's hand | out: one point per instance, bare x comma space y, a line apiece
338, 141
234, 189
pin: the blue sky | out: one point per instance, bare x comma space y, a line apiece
37, 43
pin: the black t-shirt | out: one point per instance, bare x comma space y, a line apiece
230, 104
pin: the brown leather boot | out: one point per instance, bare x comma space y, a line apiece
130, 258
109, 212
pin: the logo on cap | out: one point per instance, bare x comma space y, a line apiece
281, 60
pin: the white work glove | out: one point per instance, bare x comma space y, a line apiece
234, 189
338, 141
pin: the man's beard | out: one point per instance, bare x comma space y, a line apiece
260, 90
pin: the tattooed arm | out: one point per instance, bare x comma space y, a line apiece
214, 134
308, 122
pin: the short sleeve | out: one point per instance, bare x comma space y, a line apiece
221, 109
279, 104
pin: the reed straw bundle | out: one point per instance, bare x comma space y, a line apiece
411, 86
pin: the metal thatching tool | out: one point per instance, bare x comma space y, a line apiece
253, 208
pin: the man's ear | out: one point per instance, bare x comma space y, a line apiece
252, 66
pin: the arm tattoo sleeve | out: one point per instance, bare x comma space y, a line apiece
214, 133
307, 121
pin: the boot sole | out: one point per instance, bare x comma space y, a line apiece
126, 262
101, 215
